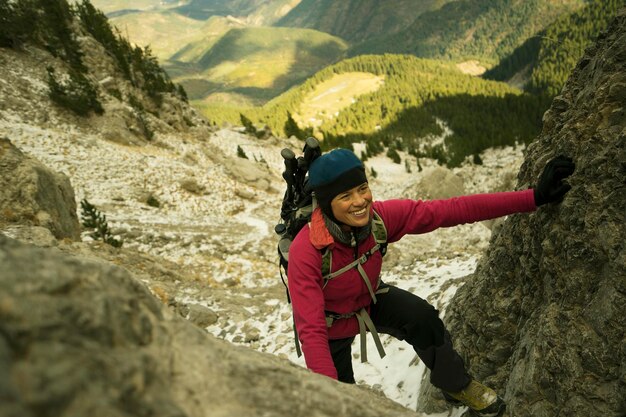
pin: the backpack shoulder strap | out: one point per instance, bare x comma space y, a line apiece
327, 261
379, 231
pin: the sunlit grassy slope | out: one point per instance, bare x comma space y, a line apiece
255, 12
171, 35
262, 62
108, 6
331, 96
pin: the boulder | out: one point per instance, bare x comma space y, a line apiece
543, 318
436, 183
201, 315
32, 194
249, 172
81, 337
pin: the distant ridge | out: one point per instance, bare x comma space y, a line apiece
356, 20
486, 30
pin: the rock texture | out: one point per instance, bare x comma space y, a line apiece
85, 338
542, 320
32, 193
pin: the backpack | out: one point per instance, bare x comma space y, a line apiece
296, 210
298, 204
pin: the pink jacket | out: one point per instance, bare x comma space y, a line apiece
348, 293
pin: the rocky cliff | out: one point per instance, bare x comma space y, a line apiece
543, 318
82, 337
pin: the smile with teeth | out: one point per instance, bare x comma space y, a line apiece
359, 212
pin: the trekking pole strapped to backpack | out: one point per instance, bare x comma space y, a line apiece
297, 205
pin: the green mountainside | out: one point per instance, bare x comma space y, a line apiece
297, 81
210, 32
487, 30
404, 112
548, 58
259, 63
166, 32
126, 6
356, 20
256, 12
565, 41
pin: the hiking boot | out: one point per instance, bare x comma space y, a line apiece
481, 400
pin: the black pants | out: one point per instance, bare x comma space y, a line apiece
406, 316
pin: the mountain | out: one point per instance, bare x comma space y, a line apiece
486, 30
164, 32
357, 20
260, 63
172, 36
565, 42
254, 12
120, 7
90, 329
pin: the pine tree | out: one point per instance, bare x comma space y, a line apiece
77, 94
394, 155
247, 124
241, 153
292, 129
92, 218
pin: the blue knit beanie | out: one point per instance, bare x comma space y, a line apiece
333, 173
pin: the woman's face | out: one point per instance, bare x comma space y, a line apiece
352, 207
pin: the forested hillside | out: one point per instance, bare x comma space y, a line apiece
357, 20
403, 113
487, 30
549, 57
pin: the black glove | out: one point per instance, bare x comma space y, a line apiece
551, 188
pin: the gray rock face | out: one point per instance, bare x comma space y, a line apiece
85, 338
31, 193
542, 320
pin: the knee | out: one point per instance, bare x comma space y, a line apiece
427, 329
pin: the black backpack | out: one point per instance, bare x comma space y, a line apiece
297, 205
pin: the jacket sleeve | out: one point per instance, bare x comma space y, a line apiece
403, 217
305, 283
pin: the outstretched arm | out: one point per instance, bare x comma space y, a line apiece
413, 217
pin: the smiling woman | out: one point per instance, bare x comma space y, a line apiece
335, 265
341, 188
351, 207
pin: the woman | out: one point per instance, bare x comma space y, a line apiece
329, 313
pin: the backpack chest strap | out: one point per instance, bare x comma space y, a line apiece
358, 264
